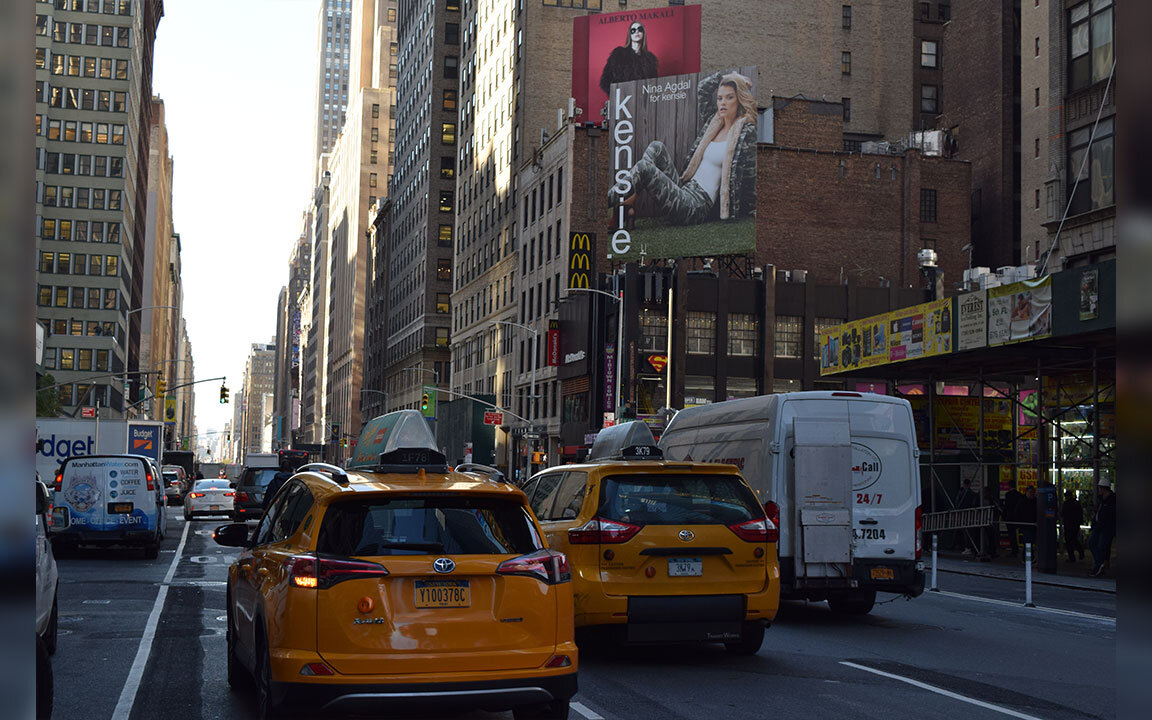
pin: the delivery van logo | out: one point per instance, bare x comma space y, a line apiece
866, 467
144, 443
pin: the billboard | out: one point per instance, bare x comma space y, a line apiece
1020, 311
580, 248
631, 45
913, 332
683, 163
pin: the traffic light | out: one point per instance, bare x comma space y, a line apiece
428, 402
161, 387
335, 432
223, 394
425, 403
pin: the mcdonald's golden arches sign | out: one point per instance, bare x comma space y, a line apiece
580, 246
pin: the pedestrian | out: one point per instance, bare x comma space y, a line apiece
1103, 528
966, 499
991, 531
1071, 518
1012, 502
1027, 513
277, 481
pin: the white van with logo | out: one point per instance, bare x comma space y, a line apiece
840, 472
108, 500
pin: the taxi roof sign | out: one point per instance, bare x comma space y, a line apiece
630, 440
403, 430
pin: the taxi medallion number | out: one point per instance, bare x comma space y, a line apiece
883, 573
443, 593
685, 567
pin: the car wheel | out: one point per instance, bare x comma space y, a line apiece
555, 710
187, 514
44, 682
266, 707
50, 631
238, 676
857, 603
751, 638
62, 548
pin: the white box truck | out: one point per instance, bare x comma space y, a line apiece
840, 473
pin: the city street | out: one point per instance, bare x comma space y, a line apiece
970, 651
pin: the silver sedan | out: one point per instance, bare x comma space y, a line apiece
209, 497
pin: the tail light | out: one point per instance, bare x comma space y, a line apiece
59, 480
919, 528
773, 512
242, 497
195, 495
229, 494
755, 531
148, 479
316, 669
309, 572
599, 530
557, 661
547, 565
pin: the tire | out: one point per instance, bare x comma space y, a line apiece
555, 710
152, 550
44, 682
857, 603
751, 638
50, 631
238, 676
266, 707
187, 515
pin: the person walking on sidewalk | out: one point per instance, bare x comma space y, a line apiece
1028, 517
1071, 518
1103, 528
1012, 501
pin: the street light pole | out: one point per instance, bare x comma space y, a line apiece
619, 298
387, 400
124, 378
532, 396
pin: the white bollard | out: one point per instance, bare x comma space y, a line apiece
1028, 575
934, 588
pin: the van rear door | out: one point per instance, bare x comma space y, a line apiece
885, 480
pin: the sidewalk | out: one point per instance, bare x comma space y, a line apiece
1070, 575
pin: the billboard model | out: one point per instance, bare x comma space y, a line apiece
631, 45
683, 162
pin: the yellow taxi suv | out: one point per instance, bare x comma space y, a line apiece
667, 551
398, 585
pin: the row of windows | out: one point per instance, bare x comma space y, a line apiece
743, 332
55, 163
541, 248
534, 202
77, 359
80, 99
79, 264
94, 198
86, 132
89, 34
77, 297
79, 230
75, 394
108, 7
72, 326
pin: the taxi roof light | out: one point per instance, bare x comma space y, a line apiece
627, 441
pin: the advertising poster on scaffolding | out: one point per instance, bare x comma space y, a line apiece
918, 331
1020, 311
972, 320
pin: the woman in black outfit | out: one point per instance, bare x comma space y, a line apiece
630, 61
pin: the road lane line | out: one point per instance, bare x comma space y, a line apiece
136, 673
942, 691
583, 710
1057, 611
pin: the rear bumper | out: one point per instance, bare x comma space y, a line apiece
685, 618
867, 574
247, 512
105, 537
375, 698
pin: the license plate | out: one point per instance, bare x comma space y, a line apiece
883, 573
120, 507
443, 593
685, 567
213, 507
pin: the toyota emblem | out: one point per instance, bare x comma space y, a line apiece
687, 535
443, 565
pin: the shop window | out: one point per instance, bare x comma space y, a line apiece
789, 336
700, 330
699, 390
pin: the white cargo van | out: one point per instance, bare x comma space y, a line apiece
108, 500
841, 472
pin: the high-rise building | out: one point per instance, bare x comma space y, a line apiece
259, 378
92, 123
333, 38
286, 407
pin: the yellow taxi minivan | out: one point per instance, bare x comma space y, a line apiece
671, 551
396, 585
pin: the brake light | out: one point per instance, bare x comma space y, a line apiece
599, 530
242, 497
751, 530
773, 512
195, 495
547, 565
148, 479
229, 494
59, 480
559, 661
846, 394
919, 527
309, 572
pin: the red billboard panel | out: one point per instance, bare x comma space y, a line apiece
631, 45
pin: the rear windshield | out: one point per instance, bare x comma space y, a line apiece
678, 499
426, 525
258, 476
171, 476
211, 485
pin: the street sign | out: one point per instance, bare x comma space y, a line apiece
88, 412
493, 417
532, 436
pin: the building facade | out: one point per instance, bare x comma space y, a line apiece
333, 41
256, 398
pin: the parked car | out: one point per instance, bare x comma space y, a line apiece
175, 483
108, 500
209, 497
47, 576
399, 585
663, 551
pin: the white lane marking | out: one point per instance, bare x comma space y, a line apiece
136, 673
1057, 611
583, 710
942, 691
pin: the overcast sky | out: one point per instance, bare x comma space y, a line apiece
236, 79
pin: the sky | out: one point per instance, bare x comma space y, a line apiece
237, 83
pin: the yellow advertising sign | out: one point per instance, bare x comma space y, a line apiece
914, 332
170, 410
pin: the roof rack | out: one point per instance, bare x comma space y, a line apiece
337, 474
476, 468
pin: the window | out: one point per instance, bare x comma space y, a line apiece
846, 104
1035, 147
927, 205
743, 330
444, 237
64, 263
1097, 180
47, 263
375, 111
925, 11
451, 67
446, 201
653, 330
447, 167
443, 269
1036, 97
441, 337
372, 180
700, 328
930, 99
1036, 48
1036, 203
944, 10
1090, 43
846, 63
929, 54
111, 264
449, 102
448, 133
789, 336
443, 305
452, 33
846, 13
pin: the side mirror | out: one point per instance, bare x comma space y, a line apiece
42, 502
232, 535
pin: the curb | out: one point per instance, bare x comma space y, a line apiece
1049, 583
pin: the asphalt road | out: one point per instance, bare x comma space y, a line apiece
970, 651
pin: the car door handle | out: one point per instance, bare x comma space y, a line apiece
869, 521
